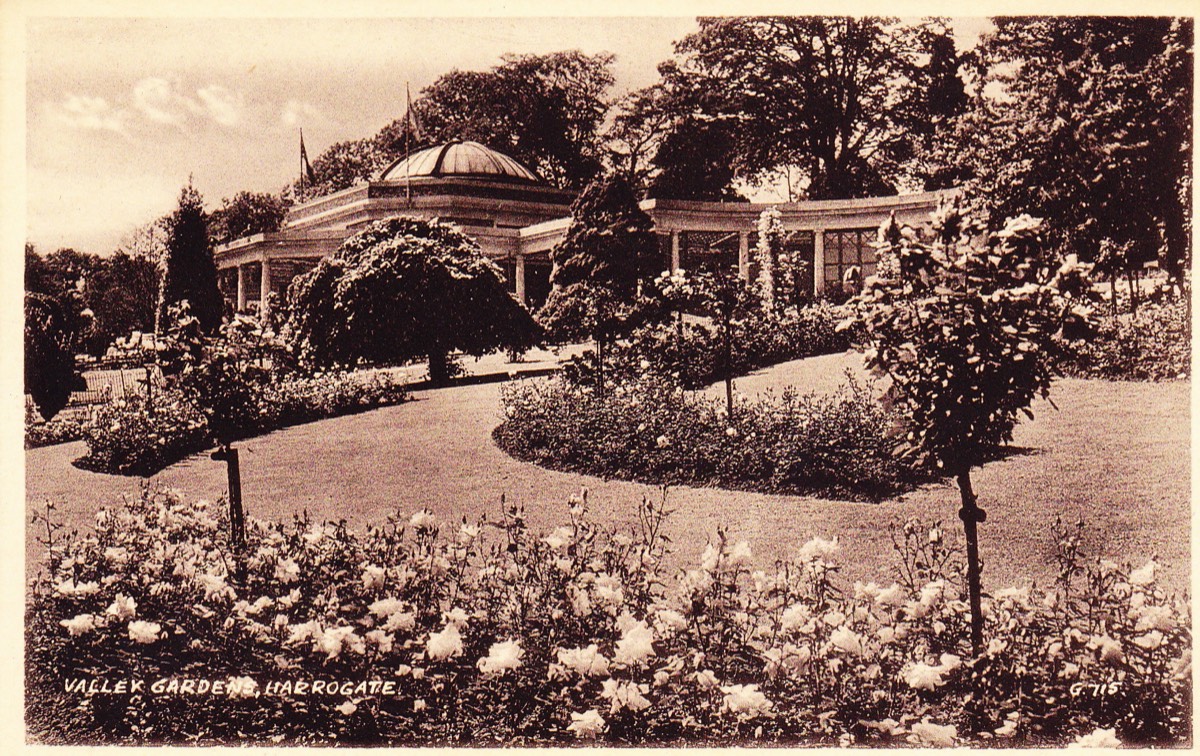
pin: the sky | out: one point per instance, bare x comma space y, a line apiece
120, 112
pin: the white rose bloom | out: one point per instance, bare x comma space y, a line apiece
586, 725
386, 607
636, 644
123, 608
923, 677
287, 571
818, 548
846, 640
926, 733
501, 658
445, 644
625, 695
373, 577
1098, 739
585, 662
745, 701
144, 632
80, 624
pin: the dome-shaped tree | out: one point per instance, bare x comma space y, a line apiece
401, 289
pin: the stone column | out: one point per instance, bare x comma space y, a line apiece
519, 272
264, 287
241, 288
675, 258
818, 261
744, 255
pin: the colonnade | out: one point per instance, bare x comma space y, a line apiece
818, 269
264, 283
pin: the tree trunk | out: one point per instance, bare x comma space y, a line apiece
439, 368
1131, 276
728, 372
599, 367
1112, 288
971, 514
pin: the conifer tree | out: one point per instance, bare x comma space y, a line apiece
608, 249
188, 270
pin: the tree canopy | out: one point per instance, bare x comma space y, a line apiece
1085, 122
245, 214
401, 289
831, 97
545, 111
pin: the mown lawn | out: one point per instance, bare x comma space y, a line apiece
1115, 454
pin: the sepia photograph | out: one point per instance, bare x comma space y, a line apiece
683, 379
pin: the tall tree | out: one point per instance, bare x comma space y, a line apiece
404, 288
188, 270
609, 248
830, 97
543, 110
49, 364
245, 214
1087, 123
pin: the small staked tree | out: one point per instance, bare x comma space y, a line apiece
402, 289
609, 248
188, 270
966, 332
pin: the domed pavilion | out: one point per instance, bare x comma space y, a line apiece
517, 218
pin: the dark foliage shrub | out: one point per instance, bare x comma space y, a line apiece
687, 350
1153, 345
831, 445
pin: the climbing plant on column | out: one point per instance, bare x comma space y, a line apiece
965, 328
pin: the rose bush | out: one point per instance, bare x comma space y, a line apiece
60, 429
489, 633
1153, 345
687, 350
836, 445
141, 435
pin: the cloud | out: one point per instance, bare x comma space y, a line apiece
90, 113
158, 101
223, 105
298, 113
161, 101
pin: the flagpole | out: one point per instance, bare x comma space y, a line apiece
407, 147
301, 164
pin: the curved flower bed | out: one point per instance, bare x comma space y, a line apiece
141, 435
420, 632
839, 445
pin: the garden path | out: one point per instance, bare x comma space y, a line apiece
1115, 454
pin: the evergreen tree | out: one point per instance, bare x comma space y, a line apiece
188, 270
49, 365
609, 247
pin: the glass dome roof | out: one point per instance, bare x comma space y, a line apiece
467, 159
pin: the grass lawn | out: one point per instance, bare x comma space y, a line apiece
1116, 454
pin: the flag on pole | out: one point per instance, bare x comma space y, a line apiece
411, 121
305, 166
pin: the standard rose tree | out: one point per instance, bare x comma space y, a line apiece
965, 330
